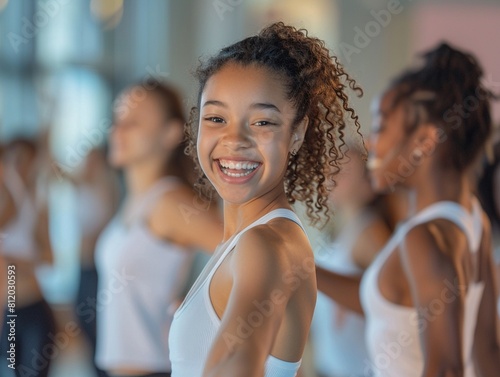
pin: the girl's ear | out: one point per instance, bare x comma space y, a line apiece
428, 137
298, 135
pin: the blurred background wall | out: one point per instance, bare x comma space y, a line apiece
63, 61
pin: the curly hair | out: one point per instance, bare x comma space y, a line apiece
447, 91
316, 84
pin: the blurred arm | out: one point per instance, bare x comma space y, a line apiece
182, 217
42, 236
342, 289
428, 264
486, 338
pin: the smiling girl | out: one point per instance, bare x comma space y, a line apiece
271, 113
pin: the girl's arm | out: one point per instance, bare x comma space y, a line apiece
345, 289
8, 210
42, 236
262, 286
437, 296
486, 337
342, 289
183, 217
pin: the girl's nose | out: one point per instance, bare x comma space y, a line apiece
237, 136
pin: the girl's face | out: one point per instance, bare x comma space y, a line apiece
245, 133
139, 131
389, 146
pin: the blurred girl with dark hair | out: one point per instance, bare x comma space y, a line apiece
429, 296
489, 195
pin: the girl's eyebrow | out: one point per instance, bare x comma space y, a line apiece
214, 103
265, 106
258, 105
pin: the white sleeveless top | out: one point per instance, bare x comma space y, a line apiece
338, 334
196, 322
19, 233
392, 333
92, 209
140, 276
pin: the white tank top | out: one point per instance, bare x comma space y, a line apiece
18, 239
92, 209
140, 276
338, 334
196, 322
392, 332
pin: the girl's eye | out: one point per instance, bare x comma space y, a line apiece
214, 119
264, 123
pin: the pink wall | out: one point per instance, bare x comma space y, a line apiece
475, 28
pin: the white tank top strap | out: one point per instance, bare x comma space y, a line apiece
231, 243
280, 367
469, 223
277, 213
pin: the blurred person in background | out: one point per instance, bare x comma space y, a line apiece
96, 199
145, 253
489, 195
429, 296
364, 223
25, 245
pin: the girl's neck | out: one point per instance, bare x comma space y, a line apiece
139, 178
440, 185
239, 216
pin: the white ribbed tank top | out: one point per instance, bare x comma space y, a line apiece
140, 276
392, 331
196, 323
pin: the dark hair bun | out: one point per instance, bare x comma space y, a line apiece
447, 91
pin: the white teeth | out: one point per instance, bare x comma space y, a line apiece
238, 165
247, 166
236, 175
